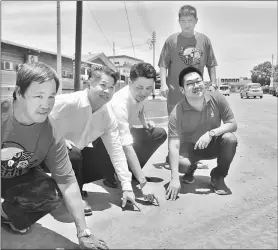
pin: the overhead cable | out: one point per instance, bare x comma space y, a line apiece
129, 29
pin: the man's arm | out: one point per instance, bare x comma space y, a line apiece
163, 75
227, 126
134, 163
174, 148
112, 143
73, 201
212, 75
227, 116
58, 162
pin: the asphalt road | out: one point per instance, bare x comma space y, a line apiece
198, 218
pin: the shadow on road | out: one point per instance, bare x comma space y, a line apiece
161, 165
38, 238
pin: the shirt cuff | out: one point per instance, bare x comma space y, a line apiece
126, 186
127, 140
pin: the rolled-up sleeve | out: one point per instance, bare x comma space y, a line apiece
225, 110
211, 59
112, 143
173, 132
164, 59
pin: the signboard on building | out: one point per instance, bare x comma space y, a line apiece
228, 80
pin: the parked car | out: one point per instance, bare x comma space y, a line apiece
224, 90
252, 90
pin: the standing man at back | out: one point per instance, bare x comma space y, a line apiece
181, 50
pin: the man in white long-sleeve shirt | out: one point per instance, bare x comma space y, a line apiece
83, 117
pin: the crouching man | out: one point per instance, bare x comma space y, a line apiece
29, 139
86, 117
139, 144
196, 133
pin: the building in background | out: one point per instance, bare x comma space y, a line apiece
13, 55
235, 84
98, 58
123, 64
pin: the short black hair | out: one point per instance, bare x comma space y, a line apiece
187, 10
95, 72
142, 70
30, 72
185, 72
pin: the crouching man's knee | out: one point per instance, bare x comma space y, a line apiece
47, 196
159, 134
230, 139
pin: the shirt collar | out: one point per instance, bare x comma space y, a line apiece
84, 100
187, 106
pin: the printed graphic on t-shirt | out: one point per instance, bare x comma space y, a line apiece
191, 55
15, 160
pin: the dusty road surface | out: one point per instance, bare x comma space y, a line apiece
198, 218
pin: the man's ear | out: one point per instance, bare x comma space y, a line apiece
196, 20
17, 91
182, 90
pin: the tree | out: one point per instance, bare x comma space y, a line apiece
262, 73
275, 77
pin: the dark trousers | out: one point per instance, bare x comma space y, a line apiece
95, 164
29, 197
222, 147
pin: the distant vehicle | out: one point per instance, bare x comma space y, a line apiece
224, 90
252, 90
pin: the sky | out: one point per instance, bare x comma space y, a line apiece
243, 34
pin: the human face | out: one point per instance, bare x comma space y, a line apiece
187, 24
37, 102
100, 90
194, 86
141, 88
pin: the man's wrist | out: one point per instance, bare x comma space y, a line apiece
80, 229
84, 233
175, 177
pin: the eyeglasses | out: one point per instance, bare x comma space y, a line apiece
191, 83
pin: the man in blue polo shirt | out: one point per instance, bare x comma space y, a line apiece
196, 133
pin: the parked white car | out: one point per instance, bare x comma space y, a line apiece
224, 90
252, 90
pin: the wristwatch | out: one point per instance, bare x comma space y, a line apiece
212, 133
85, 233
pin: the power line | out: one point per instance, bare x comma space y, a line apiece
137, 45
129, 29
142, 18
99, 25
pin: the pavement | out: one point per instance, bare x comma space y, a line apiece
198, 218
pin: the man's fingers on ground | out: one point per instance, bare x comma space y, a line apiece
174, 194
168, 193
157, 200
123, 202
136, 205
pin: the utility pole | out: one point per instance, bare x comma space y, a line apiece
78, 44
153, 45
59, 57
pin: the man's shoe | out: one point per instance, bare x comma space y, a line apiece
5, 221
189, 176
110, 182
219, 185
87, 208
